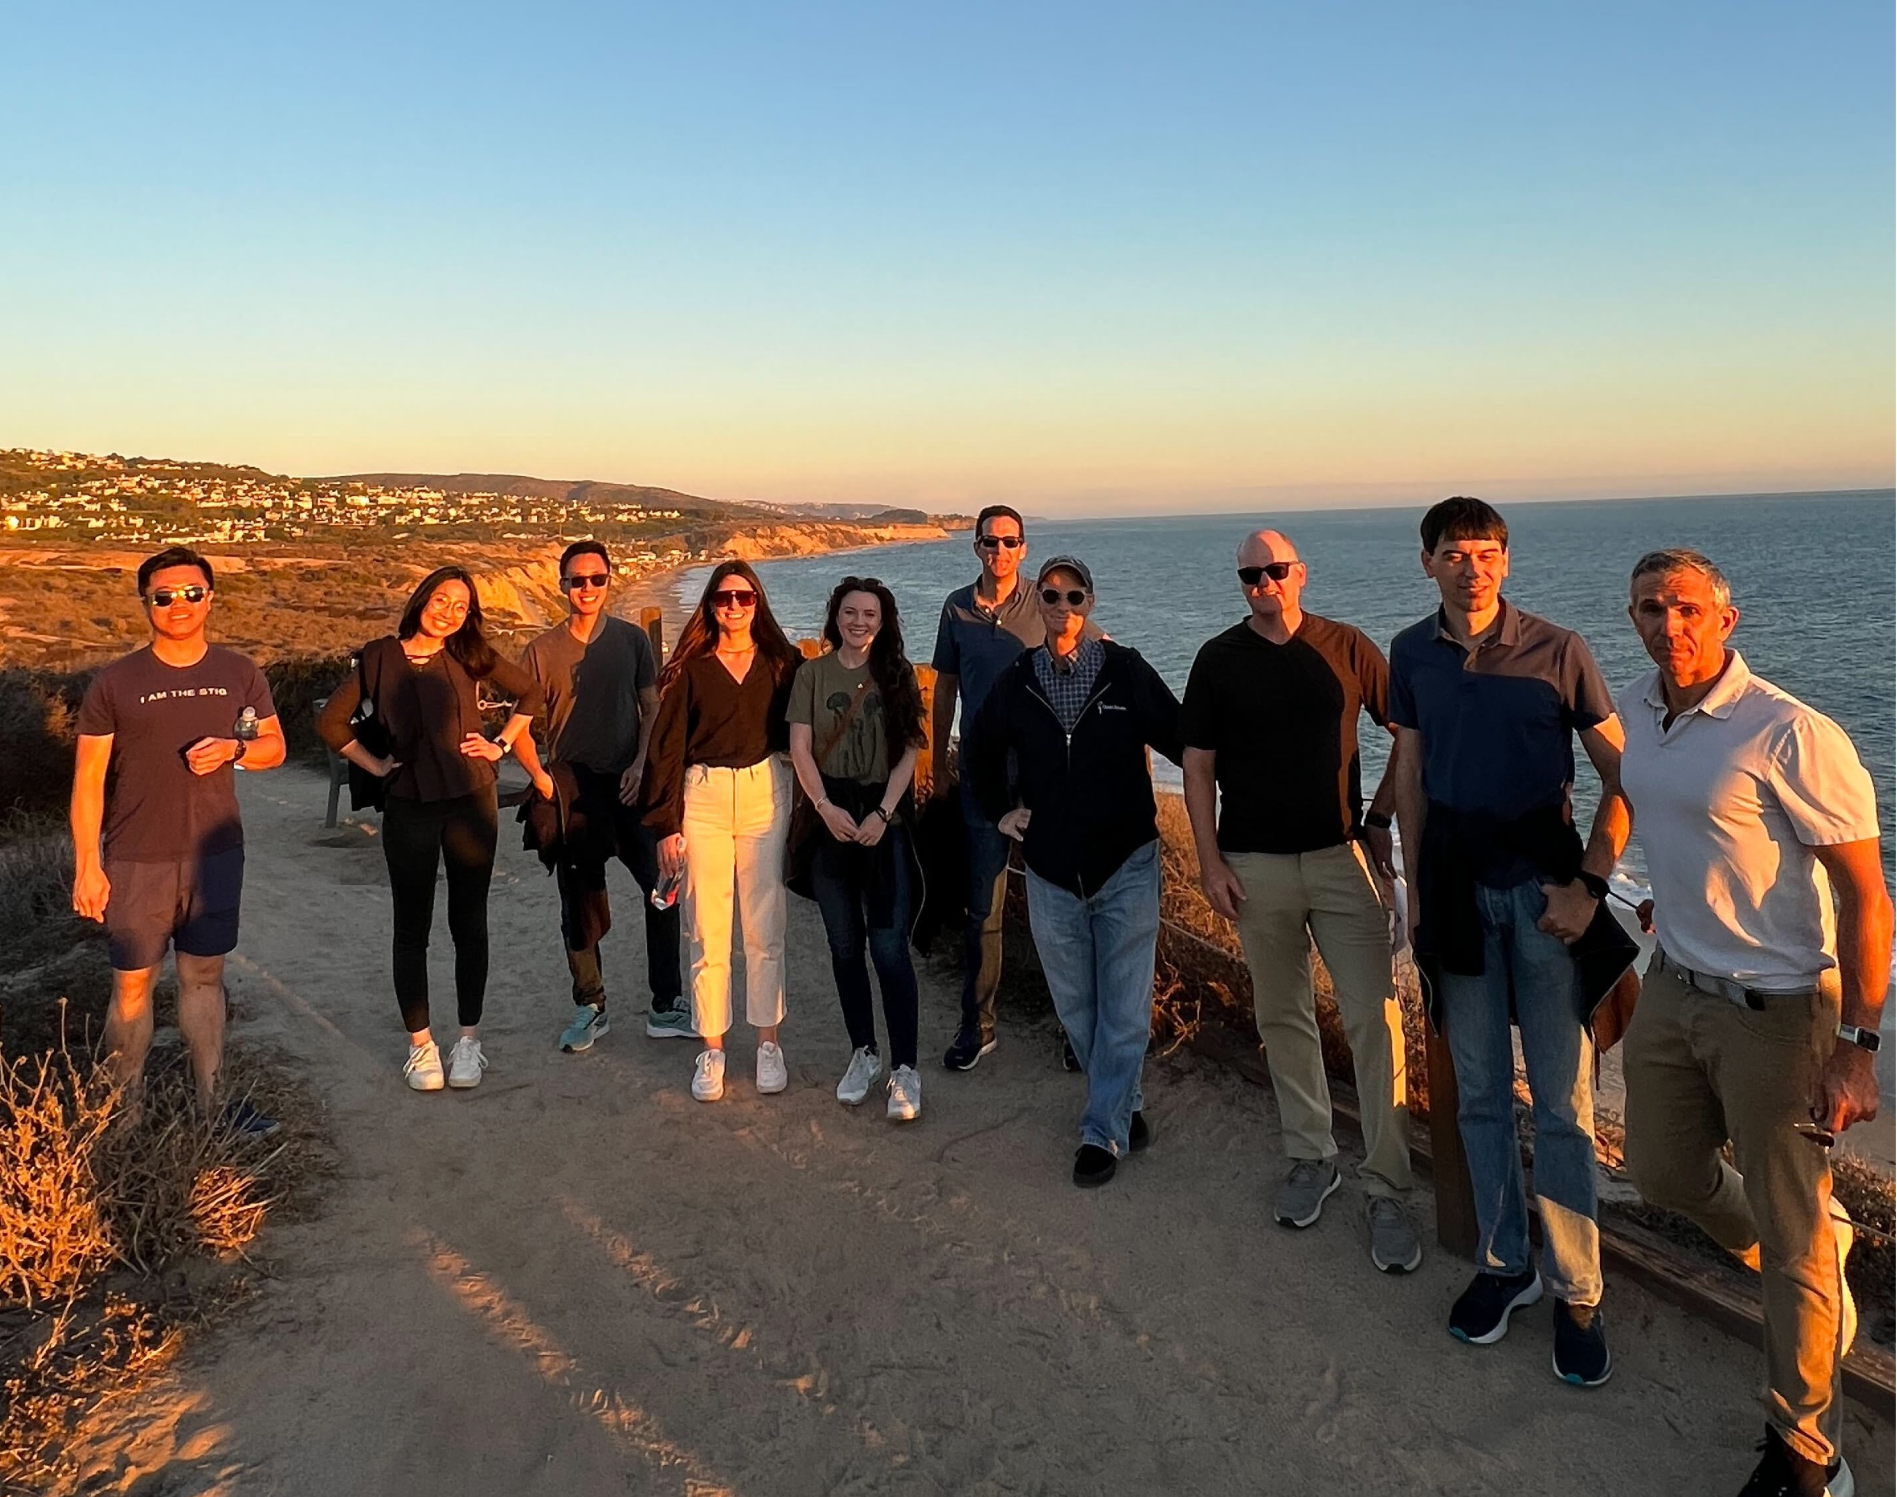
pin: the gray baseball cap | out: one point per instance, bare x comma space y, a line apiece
1065, 564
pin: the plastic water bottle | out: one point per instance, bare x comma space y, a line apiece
665, 891
247, 726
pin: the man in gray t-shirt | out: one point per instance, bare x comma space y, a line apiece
600, 675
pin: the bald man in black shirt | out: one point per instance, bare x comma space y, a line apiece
1270, 719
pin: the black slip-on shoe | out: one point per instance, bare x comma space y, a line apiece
1139, 1133
1581, 1356
971, 1043
1068, 1060
1480, 1317
1093, 1165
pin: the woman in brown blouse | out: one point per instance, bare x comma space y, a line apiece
717, 794
422, 685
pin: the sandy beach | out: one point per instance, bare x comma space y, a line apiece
577, 1280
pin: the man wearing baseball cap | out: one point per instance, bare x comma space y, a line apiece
1075, 718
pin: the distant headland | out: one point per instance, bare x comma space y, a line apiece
314, 566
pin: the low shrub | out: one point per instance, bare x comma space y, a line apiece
98, 1200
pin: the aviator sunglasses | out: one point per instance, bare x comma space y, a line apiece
163, 597
734, 597
1052, 595
1277, 571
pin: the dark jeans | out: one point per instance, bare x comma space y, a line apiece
417, 837
583, 909
988, 853
837, 876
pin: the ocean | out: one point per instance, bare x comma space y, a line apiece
1812, 575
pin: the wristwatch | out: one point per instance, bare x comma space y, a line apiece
1376, 821
242, 749
1593, 883
1864, 1039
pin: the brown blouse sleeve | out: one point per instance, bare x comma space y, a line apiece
662, 793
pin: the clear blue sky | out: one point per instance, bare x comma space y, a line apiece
1088, 256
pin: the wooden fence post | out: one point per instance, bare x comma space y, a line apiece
1455, 1197
652, 620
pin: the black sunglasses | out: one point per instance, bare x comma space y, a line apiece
1277, 571
859, 584
734, 597
162, 597
586, 579
1052, 595
1012, 542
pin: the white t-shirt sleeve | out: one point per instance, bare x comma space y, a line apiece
1821, 784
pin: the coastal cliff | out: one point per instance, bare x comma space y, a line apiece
65, 606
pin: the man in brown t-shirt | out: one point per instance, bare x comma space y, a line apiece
170, 720
1270, 719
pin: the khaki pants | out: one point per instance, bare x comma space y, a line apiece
736, 824
1701, 1069
1332, 897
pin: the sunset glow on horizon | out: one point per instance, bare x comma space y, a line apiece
1087, 260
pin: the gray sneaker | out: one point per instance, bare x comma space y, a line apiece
1301, 1197
588, 1024
674, 1021
1393, 1244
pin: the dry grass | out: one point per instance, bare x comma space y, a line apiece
54, 976
118, 1231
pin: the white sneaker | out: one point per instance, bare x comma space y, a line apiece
465, 1063
423, 1070
905, 1094
708, 1075
855, 1085
772, 1076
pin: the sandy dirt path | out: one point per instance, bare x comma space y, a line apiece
576, 1280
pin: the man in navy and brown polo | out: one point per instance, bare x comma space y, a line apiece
1758, 1021
1488, 700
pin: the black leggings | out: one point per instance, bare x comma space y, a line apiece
416, 836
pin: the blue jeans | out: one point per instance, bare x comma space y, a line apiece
837, 884
986, 900
1559, 1057
1098, 957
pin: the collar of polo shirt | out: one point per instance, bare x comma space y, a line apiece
1509, 631
1718, 702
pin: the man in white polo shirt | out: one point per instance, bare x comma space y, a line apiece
1760, 1010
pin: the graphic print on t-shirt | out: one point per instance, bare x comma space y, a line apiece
860, 739
157, 810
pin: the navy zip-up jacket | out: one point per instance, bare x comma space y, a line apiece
1090, 791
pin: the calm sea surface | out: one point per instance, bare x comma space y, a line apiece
1813, 576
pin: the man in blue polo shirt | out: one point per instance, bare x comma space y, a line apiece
984, 627
1487, 700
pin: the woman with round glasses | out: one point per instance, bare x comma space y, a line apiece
422, 686
717, 794
855, 729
